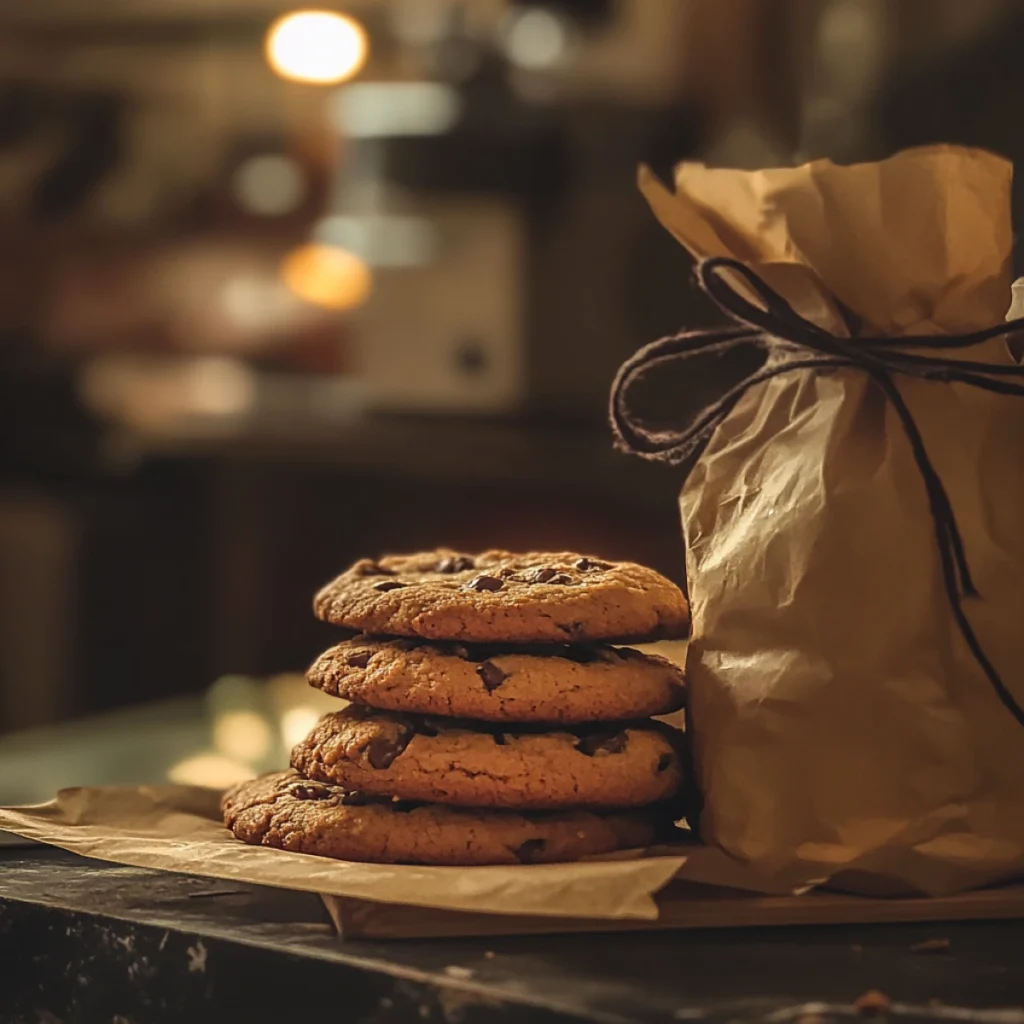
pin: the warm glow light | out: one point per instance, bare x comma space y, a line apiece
322, 47
242, 735
327, 276
211, 770
296, 723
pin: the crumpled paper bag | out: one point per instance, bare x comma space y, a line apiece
841, 728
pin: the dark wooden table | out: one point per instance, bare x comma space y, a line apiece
83, 941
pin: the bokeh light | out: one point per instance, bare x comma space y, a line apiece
270, 185
242, 735
213, 771
327, 276
319, 47
536, 38
296, 723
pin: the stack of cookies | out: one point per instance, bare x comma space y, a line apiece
491, 719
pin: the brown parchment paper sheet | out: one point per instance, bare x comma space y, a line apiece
840, 726
178, 828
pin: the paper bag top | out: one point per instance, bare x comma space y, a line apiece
919, 243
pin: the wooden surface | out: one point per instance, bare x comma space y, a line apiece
682, 906
84, 942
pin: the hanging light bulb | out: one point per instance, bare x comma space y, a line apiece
319, 47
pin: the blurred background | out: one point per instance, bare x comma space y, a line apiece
283, 287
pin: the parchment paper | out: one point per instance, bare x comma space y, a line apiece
840, 726
178, 828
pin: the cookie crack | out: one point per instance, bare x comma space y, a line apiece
468, 773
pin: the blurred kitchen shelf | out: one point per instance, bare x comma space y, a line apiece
441, 449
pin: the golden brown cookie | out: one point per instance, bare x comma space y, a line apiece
499, 597
286, 811
447, 761
543, 683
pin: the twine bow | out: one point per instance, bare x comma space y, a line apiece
791, 343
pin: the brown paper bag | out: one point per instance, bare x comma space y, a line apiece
841, 727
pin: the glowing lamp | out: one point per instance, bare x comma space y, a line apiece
327, 276
319, 47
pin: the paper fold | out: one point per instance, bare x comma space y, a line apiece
919, 243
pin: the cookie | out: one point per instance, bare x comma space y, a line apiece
448, 761
291, 813
498, 597
548, 683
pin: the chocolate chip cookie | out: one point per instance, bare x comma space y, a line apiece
544, 683
499, 597
448, 761
286, 811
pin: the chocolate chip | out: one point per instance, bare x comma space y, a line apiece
491, 675
559, 579
368, 567
309, 791
528, 852
540, 575
383, 750
586, 564
481, 583
506, 573
499, 738
360, 660
664, 761
459, 651
388, 585
455, 563
598, 743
